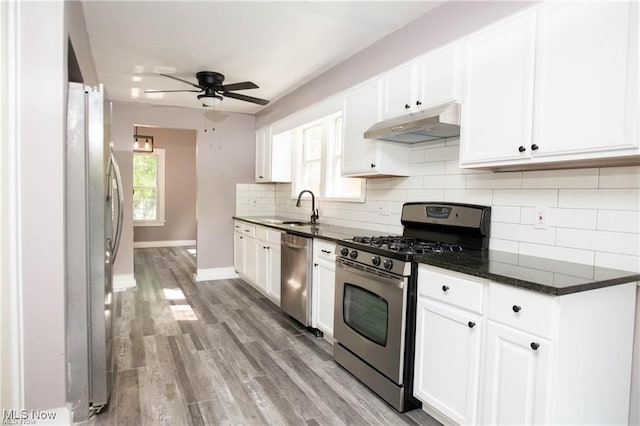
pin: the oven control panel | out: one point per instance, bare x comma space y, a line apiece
394, 266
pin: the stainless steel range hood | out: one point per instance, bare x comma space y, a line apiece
442, 121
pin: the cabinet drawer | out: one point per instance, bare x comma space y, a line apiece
237, 226
274, 237
262, 233
450, 289
249, 230
521, 309
325, 250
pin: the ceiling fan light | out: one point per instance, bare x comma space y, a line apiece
211, 100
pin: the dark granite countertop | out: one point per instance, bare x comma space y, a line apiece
538, 274
321, 230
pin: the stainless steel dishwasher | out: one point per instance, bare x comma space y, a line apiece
296, 277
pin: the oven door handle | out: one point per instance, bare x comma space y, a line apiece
370, 274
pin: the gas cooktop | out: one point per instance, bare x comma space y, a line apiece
405, 245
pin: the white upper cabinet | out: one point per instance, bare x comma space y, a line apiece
273, 156
399, 91
586, 91
554, 87
498, 95
364, 157
439, 77
429, 80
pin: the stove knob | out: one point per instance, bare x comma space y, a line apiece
344, 251
388, 264
375, 260
353, 254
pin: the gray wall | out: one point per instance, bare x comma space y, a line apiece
225, 157
180, 186
446, 23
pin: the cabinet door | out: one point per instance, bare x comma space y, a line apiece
273, 282
447, 365
251, 259
517, 377
399, 94
498, 93
325, 283
586, 77
439, 77
263, 155
262, 265
238, 252
361, 110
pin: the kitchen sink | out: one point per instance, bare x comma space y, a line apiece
288, 222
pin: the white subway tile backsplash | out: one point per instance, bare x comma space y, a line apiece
558, 253
523, 233
525, 197
618, 261
621, 221
593, 215
445, 182
571, 218
602, 199
506, 214
575, 178
503, 245
471, 196
620, 177
424, 195
604, 241
427, 169
440, 154
495, 180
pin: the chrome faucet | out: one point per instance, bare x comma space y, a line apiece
314, 211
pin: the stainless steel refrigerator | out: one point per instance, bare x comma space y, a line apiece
93, 228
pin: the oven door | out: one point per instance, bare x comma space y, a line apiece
369, 316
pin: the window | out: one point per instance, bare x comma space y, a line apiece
319, 155
148, 188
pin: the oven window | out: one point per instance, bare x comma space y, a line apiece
366, 312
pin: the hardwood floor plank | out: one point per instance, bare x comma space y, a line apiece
222, 353
128, 395
182, 377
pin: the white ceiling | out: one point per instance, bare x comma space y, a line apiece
277, 45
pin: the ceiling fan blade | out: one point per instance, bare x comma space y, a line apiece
246, 98
184, 81
239, 86
169, 91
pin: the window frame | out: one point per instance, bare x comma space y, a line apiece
328, 155
159, 153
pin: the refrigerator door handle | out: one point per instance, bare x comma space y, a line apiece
113, 164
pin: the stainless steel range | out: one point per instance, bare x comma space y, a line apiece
376, 285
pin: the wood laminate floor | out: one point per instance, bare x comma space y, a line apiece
219, 352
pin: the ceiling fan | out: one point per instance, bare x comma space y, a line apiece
212, 90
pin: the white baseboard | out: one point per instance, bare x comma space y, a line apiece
170, 243
215, 274
123, 282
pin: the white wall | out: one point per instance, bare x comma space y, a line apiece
225, 157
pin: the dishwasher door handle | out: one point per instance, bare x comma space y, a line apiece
295, 246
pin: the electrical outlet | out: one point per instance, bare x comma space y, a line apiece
540, 219
383, 207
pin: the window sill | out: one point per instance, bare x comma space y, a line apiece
148, 223
338, 199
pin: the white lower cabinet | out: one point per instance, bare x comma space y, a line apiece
324, 277
518, 370
529, 358
447, 375
257, 258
